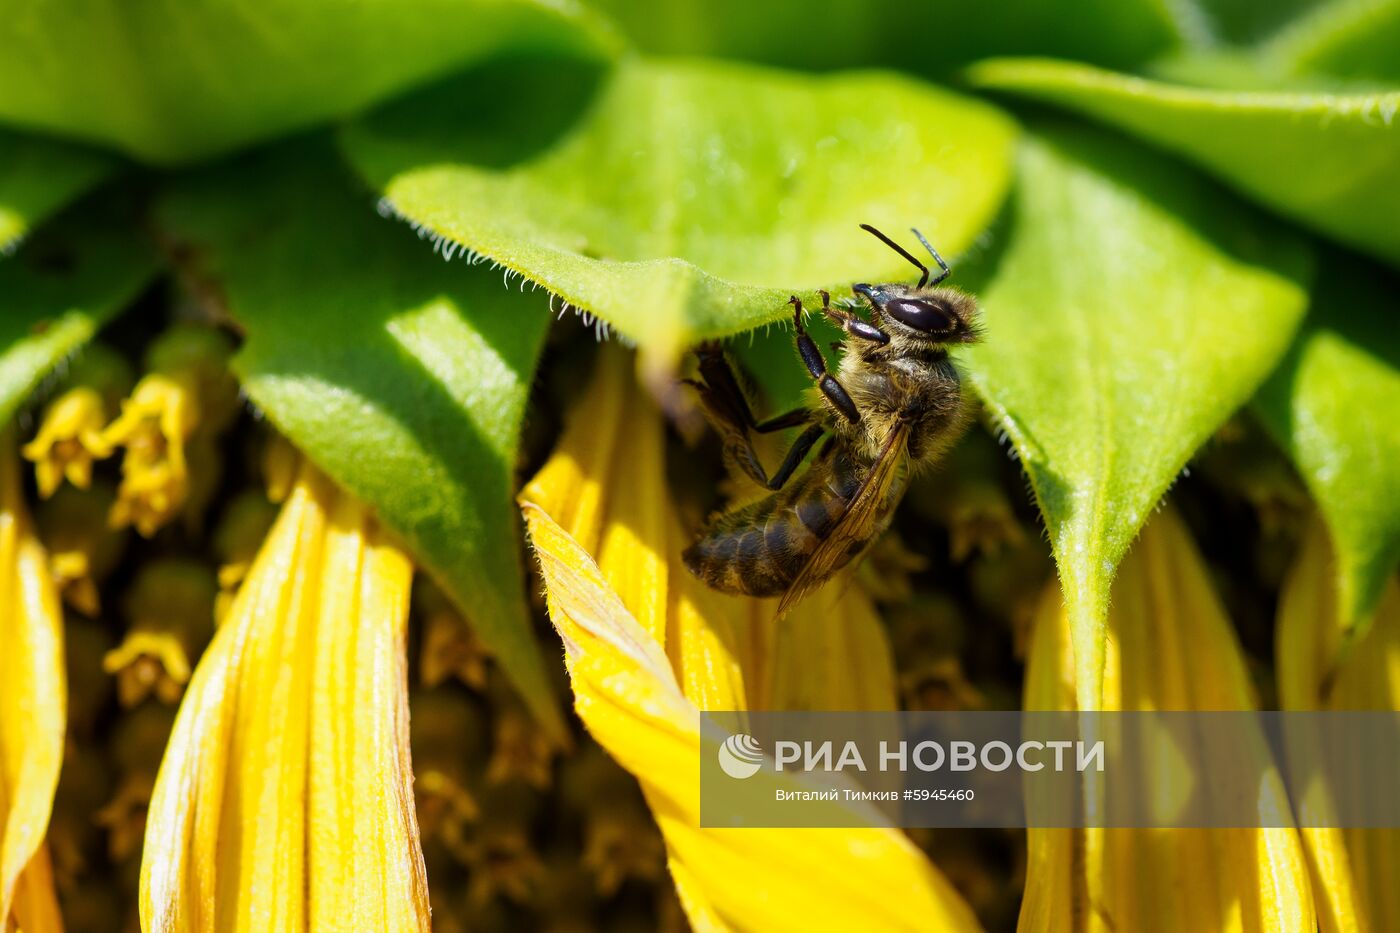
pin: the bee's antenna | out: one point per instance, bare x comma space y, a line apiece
936, 258
905, 253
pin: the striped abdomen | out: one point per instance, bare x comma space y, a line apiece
759, 549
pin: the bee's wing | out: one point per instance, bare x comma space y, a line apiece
857, 527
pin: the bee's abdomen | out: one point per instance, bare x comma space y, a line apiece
759, 550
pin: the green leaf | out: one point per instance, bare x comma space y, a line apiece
1132, 307
1351, 39
1333, 405
1210, 23
37, 177
59, 288
171, 82
688, 199
401, 376
855, 33
1327, 160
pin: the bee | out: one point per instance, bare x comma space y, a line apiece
894, 406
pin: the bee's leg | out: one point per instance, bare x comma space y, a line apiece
727, 408
796, 453
835, 393
852, 324
726, 402
790, 419
720, 393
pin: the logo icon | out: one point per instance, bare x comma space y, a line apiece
740, 756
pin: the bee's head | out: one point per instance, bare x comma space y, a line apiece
935, 315
923, 312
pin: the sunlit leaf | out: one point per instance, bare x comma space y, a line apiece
402, 377
852, 33
58, 289
176, 81
690, 199
1132, 308
1328, 160
37, 177
1332, 403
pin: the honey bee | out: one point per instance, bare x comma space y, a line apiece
895, 405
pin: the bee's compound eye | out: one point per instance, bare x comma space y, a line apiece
922, 315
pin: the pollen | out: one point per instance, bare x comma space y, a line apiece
621, 845
522, 751
450, 648
153, 427
83, 549
70, 438
166, 428
170, 607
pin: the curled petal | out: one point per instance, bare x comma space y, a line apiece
284, 800
628, 696
606, 484
648, 646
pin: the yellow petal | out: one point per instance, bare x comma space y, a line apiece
1355, 870
607, 486
33, 698
35, 905
648, 646
1170, 647
284, 800
829, 653
628, 696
